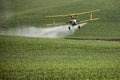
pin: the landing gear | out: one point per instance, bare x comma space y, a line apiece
69, 27
78, 27
74, 27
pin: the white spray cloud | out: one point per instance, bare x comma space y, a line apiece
50, 32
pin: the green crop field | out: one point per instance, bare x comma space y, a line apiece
23, 58
27, 58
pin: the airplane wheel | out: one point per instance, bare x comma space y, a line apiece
78, 27
69, 28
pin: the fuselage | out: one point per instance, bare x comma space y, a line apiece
73, 22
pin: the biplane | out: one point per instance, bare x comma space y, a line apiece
73, 21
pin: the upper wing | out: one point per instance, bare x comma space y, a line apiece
74, 14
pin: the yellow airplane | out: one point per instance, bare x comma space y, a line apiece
73, 20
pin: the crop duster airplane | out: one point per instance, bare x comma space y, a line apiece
73, 21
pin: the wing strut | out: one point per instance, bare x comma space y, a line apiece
91, 16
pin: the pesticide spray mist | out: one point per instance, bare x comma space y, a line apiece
50, 32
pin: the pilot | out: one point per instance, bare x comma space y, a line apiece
72, 17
